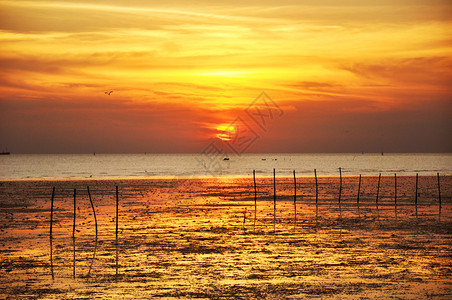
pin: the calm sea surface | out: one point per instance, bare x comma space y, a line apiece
75, 166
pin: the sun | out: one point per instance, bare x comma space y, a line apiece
225, 132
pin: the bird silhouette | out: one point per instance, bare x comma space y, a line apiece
108, 93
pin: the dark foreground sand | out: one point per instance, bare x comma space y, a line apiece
197, 239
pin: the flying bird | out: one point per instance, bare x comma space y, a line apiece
108, 93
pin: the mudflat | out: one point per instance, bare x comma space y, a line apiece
205, 238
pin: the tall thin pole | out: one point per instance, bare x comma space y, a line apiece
117, 250
415, 196
73, 225
117, 213
95, 243
395, 189
295, 197
359, 188
73, 258
73, 236
255, 199
340, 184
378, 189
51, 213
92, 206
51, 234
316, 188
274, 200
51, 259
439, 191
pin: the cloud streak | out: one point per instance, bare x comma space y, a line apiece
211, 59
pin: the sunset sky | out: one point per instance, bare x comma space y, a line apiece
346, 76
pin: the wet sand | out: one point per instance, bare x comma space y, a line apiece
196, 238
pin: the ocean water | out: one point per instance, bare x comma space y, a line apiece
77, 166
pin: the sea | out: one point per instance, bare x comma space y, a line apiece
106, 166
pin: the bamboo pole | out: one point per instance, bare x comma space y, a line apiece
255, 200
117, 262
117, 213
359, 189
51, 213
95, 223
395, 189
340, 184
378, 188
73, 258
51, 259
295, 197
75, 208
73, 235
94, 211
274, 200
95, 242
415, 197
439, 191
117, 245
51, 234
316, 188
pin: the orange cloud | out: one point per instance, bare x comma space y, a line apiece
195, 66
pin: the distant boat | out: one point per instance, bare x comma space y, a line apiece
5, 153
226, 158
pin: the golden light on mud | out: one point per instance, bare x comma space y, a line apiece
207, 240
225, 132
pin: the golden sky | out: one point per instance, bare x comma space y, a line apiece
350, 76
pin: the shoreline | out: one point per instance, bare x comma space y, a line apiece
205, 177
104, 167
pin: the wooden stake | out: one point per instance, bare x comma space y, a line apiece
51, 234
75, 208
94, 211
51, 259
73, 237
378, 189
295, 197
95, 242
51, 212
73, 258
415, 196
117, 261
340, 184
316, 188
255, 200
274, 200
359, 188
117, 245
117, 213
439, 191
395, 189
